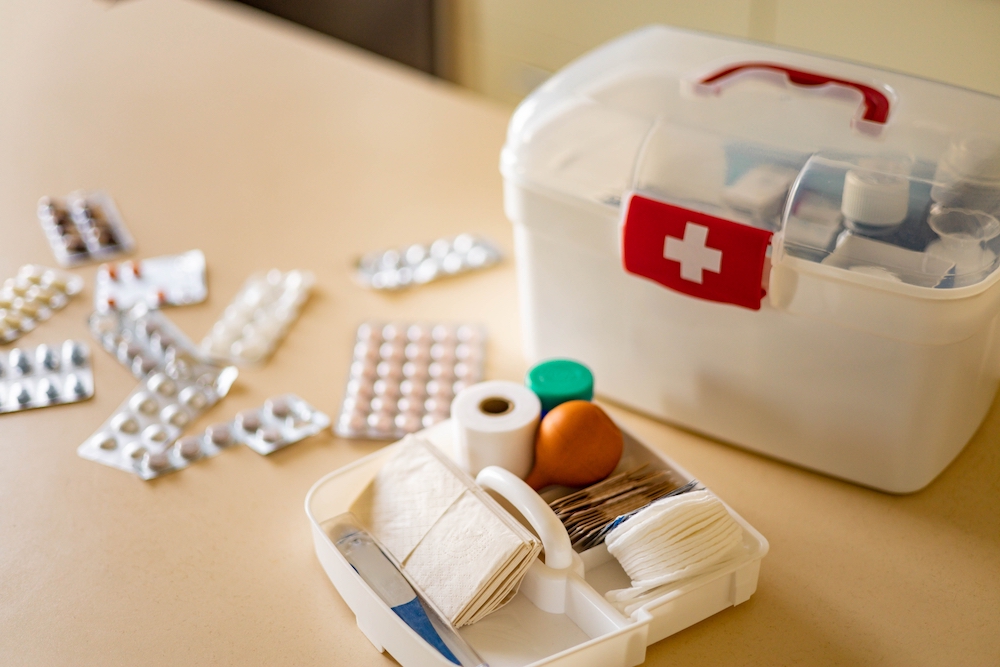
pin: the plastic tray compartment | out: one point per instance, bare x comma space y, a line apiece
558, 617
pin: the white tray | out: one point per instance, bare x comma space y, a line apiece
559, 616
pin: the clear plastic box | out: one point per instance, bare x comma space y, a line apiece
653, 182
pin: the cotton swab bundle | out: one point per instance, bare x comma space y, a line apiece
590, 513
672, 539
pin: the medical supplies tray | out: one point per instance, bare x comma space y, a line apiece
558, 617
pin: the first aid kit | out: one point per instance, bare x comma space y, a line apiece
560, 614
790, 253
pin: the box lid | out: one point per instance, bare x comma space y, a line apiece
874, 175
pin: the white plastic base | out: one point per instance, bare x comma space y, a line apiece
580, 627
864, 384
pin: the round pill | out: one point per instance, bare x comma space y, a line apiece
415, 370
49, 389
464, 371
157, 461
437, 405
361, 388
248, 420
392, 332
381, 422
135, 451
76, 352
125, 423
220, 434
466, 352
162, 385
365, 351
378, 404
369, 334
439, 370
107, 443
351, 423
155, 433
476, 257
418, 333
75, 385
357, 404
175, 416
416, 352
393, 351
189, 447
468, 334
443, 334
452, 263
271, 435
47, 357
409, 405
389, 369
431, 419
440, 248
145, 404
463, 243
20, 361
389, 259
408, 422
386, 388
442, 352
415, 254
439, 389
196, 399
413, 388
279, 407
363, 369
21, 392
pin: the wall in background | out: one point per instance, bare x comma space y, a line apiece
504, 48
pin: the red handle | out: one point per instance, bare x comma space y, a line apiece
876, 103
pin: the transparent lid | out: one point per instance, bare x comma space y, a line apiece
863, 171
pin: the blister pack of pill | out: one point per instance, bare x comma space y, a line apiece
84, 227
404, 376
171, 280
143, 339
140, 435
45, 375
421, 263
32, 296
259, 316
281, 421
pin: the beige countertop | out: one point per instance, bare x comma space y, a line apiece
266, 145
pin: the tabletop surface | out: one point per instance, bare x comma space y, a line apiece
265, 145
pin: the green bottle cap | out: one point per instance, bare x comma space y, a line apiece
559, 380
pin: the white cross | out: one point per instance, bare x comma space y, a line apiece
694, 256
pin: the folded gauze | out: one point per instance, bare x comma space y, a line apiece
672, 539
464, 551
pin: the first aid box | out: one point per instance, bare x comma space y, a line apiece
790, 253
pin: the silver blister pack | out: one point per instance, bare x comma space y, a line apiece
84, 227
32, 296
171, 280
281, 421
421, 263
404, 376
140, 436
143, 340
45, 375
259, 316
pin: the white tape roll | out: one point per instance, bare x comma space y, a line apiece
495, 425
